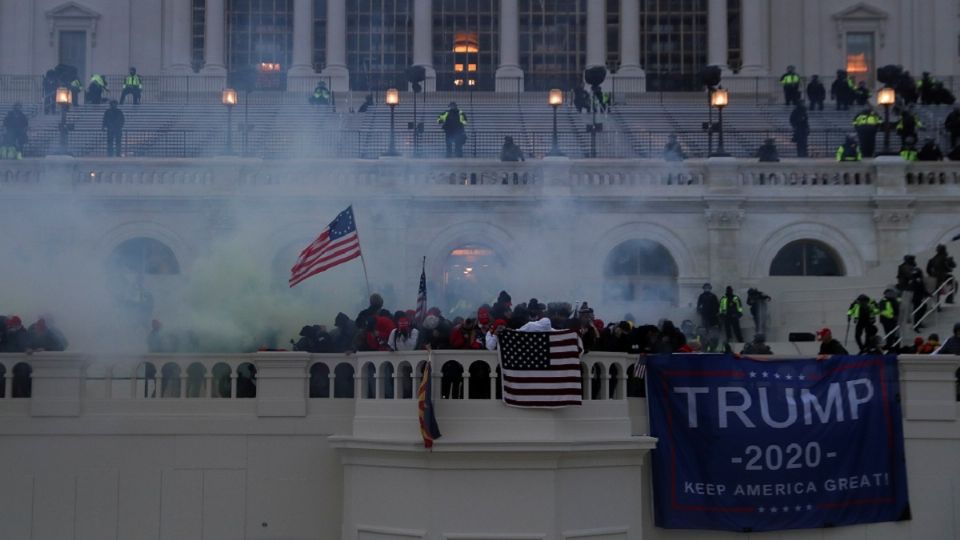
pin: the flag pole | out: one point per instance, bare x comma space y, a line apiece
363, 261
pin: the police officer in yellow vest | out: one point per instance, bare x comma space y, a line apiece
866, 123
731, 309
849, 150
889, 307
132, 85
862, 311
909, 149
791, 86
96, 89
454, 123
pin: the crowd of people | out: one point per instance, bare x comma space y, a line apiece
39, 336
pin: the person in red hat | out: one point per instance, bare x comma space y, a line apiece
493, 334
15, 338
828, 345
404, 337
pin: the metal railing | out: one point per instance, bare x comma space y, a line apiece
372, 143
925, 308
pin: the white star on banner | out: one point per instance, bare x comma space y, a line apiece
809, 507
789, 377
765, 374
753, 374
786, 508
776, 375
761, 509
773, 509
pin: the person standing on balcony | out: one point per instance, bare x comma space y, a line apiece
829, 345
581, 99
862, 311
672, 151
849, 150
889, 308
133, 86
862, 94
791, 86
866, 123
708, 307
816, 93
926, 85
321, 95
96, 89
800, 122
731, 309
113, 121
930, 151
768, 152
940, 268
49, 85
842, 90
15, 125
454, 123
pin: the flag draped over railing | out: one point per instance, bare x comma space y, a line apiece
428, 420
337, 244
541, 369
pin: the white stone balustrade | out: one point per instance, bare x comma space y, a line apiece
147, 177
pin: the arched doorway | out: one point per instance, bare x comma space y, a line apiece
640, 271
472, 274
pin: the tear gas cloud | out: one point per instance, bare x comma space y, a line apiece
231, 295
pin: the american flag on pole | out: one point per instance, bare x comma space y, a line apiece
337, 244
540, 369
422, 294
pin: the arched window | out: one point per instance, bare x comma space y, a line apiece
451, 382
471, 271
22, 381
170, 381
246, 380
613, 392
147, 380
196, 380
221, 381
319, 380
596, 382
369, 376
479, 380
387, 383
343, 381
144, 256
807, 258
404, 373
640, 270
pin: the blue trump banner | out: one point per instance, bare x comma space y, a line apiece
749, 445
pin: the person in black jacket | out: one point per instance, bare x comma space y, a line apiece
15, 338
15, 124
510, 150
952, 124
768, 151
113, 121
828, 345
708, 307
930, 151
800, 123
816, 93
841, 91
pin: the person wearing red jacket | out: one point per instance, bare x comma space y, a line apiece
467, 336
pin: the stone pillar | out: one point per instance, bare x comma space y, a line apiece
302, 39
57, 384
336, 72
717, 45
509, 74
754, 38
280, 383
596, 34
214, 60
630, 73
180, 19
423, 41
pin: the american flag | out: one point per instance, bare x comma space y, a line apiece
540, 369
422, 294
337, 244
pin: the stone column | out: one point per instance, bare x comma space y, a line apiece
214, 60
717, 45
754, 38
179, 16
302, 39
336, 72
596, 34
509, 74
631, 72
423, 41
